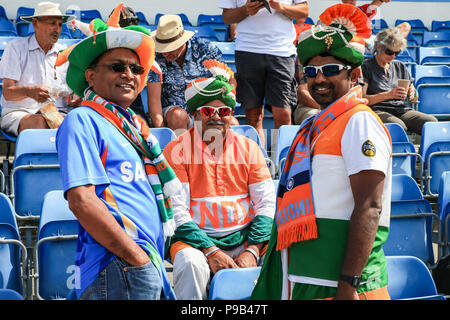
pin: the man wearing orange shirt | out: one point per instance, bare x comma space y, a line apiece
224, 212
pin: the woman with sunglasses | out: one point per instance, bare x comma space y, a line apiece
382, 73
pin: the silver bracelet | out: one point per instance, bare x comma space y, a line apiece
211, 252
253, 252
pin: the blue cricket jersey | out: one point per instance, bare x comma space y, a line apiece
93, 152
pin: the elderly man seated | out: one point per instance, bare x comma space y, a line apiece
29, 75
225, 209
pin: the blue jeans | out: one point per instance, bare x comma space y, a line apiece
121, 281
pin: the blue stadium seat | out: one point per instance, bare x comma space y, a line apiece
436, 39
437, 25
234, 284
21, 25
378, 25
410, 279
417, 29
434, 55
403, 152
142, 18
404, 187
7, 29
203, 32
433, 86
8, 294
3, 13
228, 51
286, 135
216, 23
435, 152
410, 230
11, 248
55, 249
444, 210
35, 171
251, 133
184, 19
85, 15
164, 135
417, 25
4, 42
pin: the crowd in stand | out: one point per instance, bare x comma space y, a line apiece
207, 201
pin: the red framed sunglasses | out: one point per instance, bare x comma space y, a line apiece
209, 111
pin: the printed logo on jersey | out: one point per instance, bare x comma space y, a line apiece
368, 149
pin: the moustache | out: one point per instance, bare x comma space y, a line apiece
215, 123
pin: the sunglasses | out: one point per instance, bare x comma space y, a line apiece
389, 52
328, 70
121, 67
209, 111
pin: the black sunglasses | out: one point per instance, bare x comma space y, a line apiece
121, 67
328, 70
389, 52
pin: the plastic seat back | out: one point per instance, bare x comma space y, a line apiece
204, 32
7, 28
228, 51
434, 55
164, 135
435, 151
55, 249
409, 278
10, 251
233, 284
444, 209
251, 133
410, 230
404, 187
35, 170
436, 39
8, 294
286, 135
437, 25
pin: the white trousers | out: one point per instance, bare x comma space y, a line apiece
191, 273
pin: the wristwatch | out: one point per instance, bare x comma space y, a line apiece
354, 281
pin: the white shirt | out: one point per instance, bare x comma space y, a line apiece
264, 33
25, 62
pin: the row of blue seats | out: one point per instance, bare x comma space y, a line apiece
55, 275
417, 25
8, 29
36, 164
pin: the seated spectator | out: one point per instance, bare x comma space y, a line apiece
381, 75
30, 80
225, 209
180, 56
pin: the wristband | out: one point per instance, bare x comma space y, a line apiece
210, 252
253, 252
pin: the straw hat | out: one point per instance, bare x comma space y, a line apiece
170, 34
48, 9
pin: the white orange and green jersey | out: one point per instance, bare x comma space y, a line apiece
222, 195
355, 141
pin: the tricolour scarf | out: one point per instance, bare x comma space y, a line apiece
161, 176
295, 216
